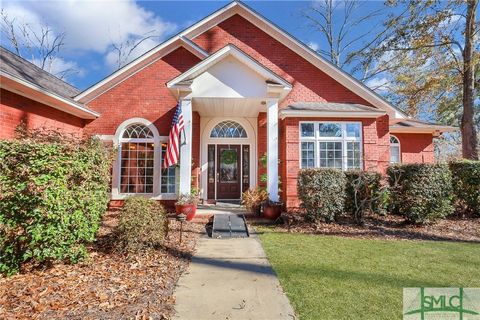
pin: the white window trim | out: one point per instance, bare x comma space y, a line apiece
157, 161
398, 144
317, 139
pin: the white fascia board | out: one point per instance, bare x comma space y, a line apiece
440, 129
220, 55
22, 87
329, 114
137, 65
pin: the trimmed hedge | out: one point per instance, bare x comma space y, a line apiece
322, 193
52, 196
365, 193
466, 184
421, 192
142, 224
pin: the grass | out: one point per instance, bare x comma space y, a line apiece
328, 277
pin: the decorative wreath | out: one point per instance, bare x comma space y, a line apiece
229, 156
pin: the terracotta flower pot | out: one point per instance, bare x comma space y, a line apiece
187, 209
272, 211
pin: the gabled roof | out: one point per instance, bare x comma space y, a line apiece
27, 71
229, 50
26, 79
264, 24
330, 109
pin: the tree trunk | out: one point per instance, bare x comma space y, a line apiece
469, 134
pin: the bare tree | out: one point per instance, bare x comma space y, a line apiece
39, 44
335, 20
124, 50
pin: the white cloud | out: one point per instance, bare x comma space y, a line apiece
94, 25
313, 45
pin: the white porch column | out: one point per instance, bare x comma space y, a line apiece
272, 148
186, 148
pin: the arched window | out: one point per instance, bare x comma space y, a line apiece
228, 129
137, 150
394, 150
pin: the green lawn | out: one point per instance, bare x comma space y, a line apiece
327, 277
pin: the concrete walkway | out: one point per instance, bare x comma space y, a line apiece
230, 279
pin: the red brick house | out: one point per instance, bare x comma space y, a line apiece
247, 89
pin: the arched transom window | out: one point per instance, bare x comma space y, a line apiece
137, 151
394, 150
228, 129
137, 131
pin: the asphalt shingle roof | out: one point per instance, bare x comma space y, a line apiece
331, 107
25, 70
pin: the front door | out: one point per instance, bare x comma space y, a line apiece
228, 171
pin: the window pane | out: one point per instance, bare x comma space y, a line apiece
308, 154
395, 154
136, 172
330, 130
353, 130
331, 154
168, 177
353, 155
307, 129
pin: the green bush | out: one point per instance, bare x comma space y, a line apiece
52, 196
365, 193
466, 185
422, 192
142, 224
322, 193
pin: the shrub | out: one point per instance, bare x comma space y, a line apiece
322, 193
466, 184
252, 199
365, 193
421, 192
52, 196
142, 224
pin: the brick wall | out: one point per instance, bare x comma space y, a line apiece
416, 148
376, 150
15, 109
261, 145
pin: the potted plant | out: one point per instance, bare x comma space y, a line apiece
272, 209
187, 205
252, 199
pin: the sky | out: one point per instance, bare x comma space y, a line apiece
92, 27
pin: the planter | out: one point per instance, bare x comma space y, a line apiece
187, 209
272, 211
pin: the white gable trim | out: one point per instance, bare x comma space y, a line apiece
228, 50
139, 64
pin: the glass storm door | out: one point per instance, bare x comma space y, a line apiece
228, 172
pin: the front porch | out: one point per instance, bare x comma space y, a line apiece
230, 107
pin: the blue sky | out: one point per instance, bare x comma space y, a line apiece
92, 27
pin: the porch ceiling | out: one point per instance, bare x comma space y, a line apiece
228, 107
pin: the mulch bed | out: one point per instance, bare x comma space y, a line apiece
106, 286
466, 229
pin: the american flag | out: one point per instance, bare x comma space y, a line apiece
173, 147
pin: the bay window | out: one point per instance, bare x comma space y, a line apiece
331, 145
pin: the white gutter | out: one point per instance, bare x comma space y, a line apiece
46, 97
330, 114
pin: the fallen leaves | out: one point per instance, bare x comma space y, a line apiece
392, 227
106, 286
